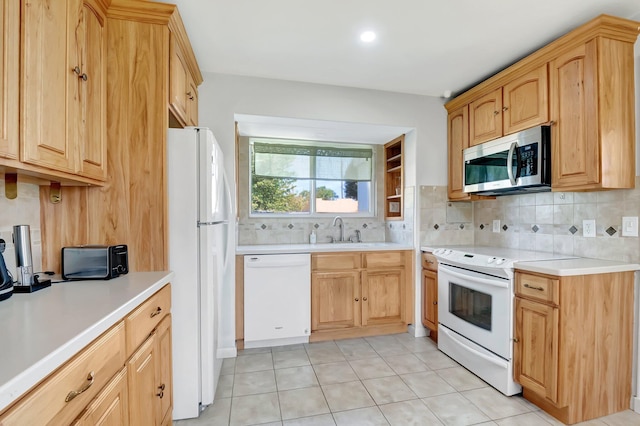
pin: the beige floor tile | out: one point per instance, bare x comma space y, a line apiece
228, 366
386, 345
424, 344
292, 358
528, 419
296, 378
388, 389
406, 363
461, 378
336, 372
217, 414
436, 360
362, 417
224, 389
329, 344
494, 404
254, 383
353, 349
455, 410
347, 396
549, 418
623, 418
322, 420
427, 384
325, 355
257, 362
255, 409
409, 413
286, 348
302, 403
253, 351
371, 368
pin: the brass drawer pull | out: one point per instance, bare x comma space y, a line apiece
156, 312
533, 287
73, 394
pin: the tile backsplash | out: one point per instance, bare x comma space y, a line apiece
23, 210
550, 221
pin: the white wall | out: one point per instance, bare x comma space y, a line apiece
222, 96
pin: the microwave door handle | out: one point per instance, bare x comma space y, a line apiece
512, 148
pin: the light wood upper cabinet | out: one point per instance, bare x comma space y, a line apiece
183, 89
592, 106
9, 79
520, 104
525, 101
485, 118
63, 120
458, 140
582, 84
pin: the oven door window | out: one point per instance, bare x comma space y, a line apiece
470, 305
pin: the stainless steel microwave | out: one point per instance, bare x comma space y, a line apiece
517, 163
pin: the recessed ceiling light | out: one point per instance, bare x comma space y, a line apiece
368, 36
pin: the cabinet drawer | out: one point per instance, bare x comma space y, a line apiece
429, 262
47, 403
383, 259
335, 261
537, 287
141, 322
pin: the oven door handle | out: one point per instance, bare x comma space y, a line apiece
454, 338
485, 281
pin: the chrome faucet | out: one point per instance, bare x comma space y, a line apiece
335, 219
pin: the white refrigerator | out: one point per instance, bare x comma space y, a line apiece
200, 250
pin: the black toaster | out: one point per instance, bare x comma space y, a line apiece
94, 262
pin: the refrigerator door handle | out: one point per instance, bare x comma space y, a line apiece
212, 223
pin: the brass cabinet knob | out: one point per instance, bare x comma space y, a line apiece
496, 112
505, 108
364, 299
516, 340
357, 300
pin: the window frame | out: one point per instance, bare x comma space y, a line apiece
373, 204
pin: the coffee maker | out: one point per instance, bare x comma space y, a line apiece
26, 282
6, 282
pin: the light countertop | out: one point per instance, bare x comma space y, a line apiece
323, 247
577, 266
42, 330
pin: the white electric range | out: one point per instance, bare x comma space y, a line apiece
476, 309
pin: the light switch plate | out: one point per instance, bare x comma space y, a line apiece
630, 226
496, 225
589, 228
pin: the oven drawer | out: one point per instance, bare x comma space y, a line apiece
537, 287
429, 262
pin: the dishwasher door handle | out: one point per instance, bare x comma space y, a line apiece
280, 262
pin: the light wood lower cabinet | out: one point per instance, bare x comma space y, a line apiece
102, 384
360, 294
573, 343
430, 294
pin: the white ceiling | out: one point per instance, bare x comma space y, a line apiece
423, 46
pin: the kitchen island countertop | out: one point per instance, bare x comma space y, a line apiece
42, 330
322, 247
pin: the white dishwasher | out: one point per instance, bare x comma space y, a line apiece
277, 299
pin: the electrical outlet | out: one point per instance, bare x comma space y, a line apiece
589, 228
496, 225
630, 226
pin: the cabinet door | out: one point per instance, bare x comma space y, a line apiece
335, 300
536, 348
383, 297
485, 118
9, 80
526, 101
110, 407
178, 83
143, 393
192, 103
575, 151
49, 85
458, 140
164, 378
430, 300
92, 136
